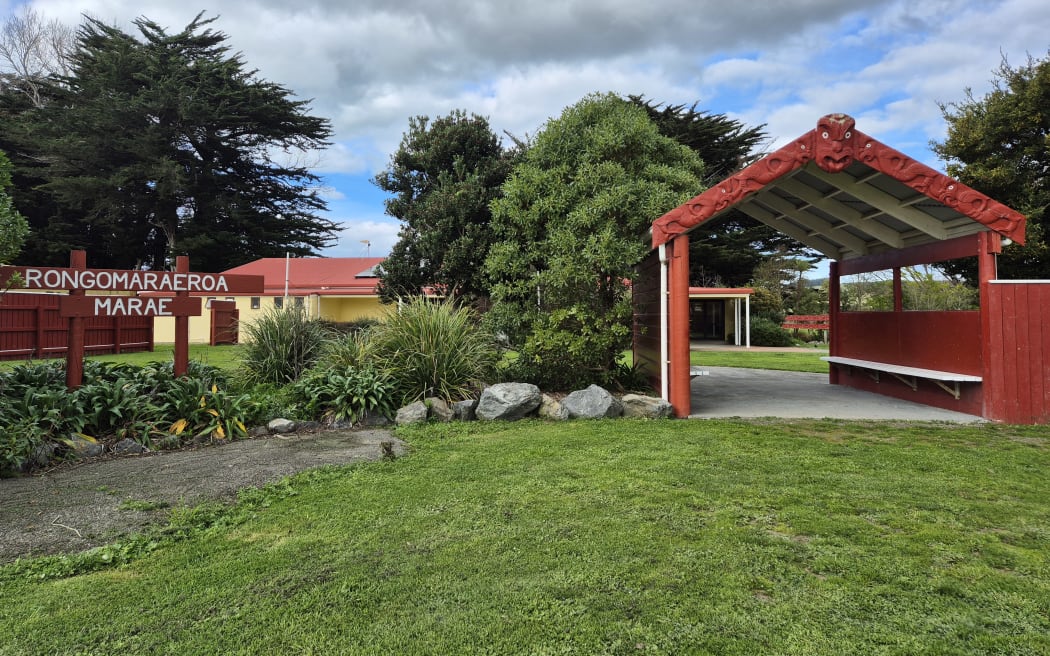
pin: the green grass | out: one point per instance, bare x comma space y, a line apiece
793, 361
672, 537
224, 357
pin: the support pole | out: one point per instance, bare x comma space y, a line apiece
182, 325
834, 303
679, 326
75, 336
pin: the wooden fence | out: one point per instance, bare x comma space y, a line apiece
31, 327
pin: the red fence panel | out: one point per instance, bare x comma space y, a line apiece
1018, 375
31, 327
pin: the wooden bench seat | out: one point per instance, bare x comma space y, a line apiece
907, 375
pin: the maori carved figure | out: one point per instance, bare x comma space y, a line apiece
733, 189
834, 142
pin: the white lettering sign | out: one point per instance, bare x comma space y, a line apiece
147, 281
132, 306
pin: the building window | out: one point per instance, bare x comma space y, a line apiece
278, 301
298, 301
256, 302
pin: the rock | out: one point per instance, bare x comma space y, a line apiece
592, 403
439, 410
259, 431
84, 446
42, 455
649, 407
551, 408
413, 413
342, 424
508, 401
128, 447
307, 425
373, 419
281, 426
464, 410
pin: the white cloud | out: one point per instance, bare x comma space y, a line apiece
371, 64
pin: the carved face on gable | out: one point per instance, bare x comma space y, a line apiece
833, 150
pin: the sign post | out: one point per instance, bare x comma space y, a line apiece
168, 296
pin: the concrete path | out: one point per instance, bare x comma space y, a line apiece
731, 392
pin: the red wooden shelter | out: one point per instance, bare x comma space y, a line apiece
868, 207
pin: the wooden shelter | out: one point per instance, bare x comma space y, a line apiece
868, 207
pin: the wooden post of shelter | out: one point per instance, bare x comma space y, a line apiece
678, 328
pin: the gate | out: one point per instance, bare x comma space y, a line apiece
224, 317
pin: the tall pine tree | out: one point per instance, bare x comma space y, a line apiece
163, 144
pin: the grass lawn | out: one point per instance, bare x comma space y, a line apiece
224, 357
612, 537
795, 361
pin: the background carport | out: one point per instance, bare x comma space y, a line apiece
868, 207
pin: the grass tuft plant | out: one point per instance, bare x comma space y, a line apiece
281, 344
434, 348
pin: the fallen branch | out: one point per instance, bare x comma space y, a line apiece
55, 523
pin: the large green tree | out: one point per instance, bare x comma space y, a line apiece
160, 144
13, 227
572, 224
443, 177
727, 252
999, 144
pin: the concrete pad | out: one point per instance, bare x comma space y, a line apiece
731, 392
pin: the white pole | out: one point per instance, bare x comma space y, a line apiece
747, 319
664, 366
287, 264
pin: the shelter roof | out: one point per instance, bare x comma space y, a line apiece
326, 276
846, 195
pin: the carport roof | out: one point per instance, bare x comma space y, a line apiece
846, 195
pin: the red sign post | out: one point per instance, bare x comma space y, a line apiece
169, 296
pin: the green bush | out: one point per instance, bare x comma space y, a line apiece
434, 348
766, 333
280, 345
346, 350
344, 393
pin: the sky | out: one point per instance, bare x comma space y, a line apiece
370, 65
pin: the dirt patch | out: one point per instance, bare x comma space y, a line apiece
93, 503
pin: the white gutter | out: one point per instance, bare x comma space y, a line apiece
664, 365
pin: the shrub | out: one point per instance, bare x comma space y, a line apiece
766, 333
344, 393
281, 345
346, 350
434, 348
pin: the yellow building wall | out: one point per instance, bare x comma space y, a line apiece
339, 309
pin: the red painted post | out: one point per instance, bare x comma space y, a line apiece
678, 329
994, 405
182, 325
898, 291
834, 307
75, 338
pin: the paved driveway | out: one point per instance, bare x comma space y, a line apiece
730, 392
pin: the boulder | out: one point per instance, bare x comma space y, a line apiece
84, 446
551, 408
372, 419
508, 401
439, 409
413, 413
281, 426
648, 407
259, 431
307, 425
128, 447
464, 410
592, 403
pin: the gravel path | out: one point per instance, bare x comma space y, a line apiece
77, 507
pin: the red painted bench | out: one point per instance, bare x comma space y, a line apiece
806, 322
